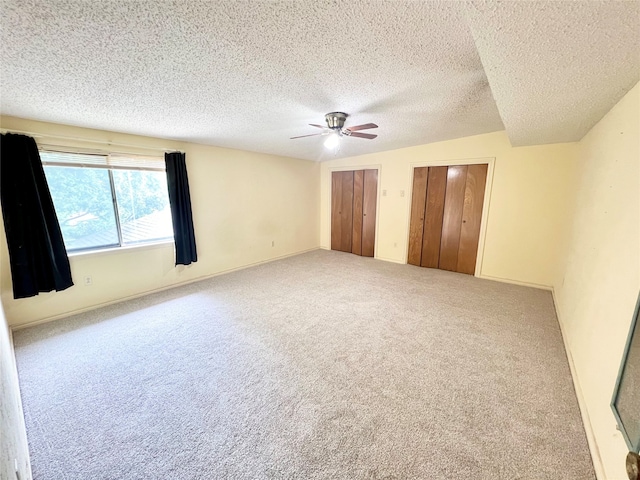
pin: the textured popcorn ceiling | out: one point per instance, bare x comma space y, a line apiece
250, 75
556, 67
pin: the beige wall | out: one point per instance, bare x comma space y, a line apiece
597, 293
527, 208
241, 202
13, 436
565, 216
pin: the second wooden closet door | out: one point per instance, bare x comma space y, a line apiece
353, 211
446, 210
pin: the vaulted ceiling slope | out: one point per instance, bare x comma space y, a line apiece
556, 67
250, 75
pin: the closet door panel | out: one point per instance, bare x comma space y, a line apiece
358, 194
433, 216
346, 211
471, 218
370, 199
341, 210
336, 210
452, 217
416, 223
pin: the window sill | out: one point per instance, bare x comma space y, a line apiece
124, 249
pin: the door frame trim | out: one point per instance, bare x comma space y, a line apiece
377, 167
490, 161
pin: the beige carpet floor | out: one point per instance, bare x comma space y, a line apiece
320, 366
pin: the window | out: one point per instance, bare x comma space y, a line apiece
107, 201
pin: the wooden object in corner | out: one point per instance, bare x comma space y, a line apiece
341, 211
416, 226
354, 195
370, 199
446, 215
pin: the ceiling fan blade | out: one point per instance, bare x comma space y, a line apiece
362, 135
316, 125
312, 135
363, 127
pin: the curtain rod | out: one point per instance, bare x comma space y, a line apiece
78, 139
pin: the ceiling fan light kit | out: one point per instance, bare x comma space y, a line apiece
335, 129
332, 141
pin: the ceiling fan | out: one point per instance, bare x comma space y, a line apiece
335, 128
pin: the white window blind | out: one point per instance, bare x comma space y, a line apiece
106, 200
97, 160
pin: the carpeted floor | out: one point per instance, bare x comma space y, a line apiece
321, 366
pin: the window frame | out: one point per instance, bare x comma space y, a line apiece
622, 423
129, 166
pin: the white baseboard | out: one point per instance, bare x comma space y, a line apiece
154, 290
14, 373
392, 260
586, 420
516, 282
384, 259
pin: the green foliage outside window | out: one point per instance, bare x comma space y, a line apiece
87, 213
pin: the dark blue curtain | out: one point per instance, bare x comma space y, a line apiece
37, 255
180, 201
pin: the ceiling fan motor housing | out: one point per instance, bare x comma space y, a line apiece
334, 128
335, 120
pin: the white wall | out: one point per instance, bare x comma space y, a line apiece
13, 436
242, 201
528, 207
565, 216
597, 291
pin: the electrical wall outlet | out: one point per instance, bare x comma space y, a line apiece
88, 280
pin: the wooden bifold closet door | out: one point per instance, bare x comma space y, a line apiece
446, 211
353, 211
